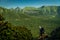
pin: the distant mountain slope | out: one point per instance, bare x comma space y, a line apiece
44, 11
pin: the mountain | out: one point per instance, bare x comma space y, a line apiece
44, 10
32, 18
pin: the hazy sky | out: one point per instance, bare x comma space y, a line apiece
32, 3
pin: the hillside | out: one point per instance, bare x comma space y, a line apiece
44, 10
32, 18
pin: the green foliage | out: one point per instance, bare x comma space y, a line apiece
6, 33
14, 33
1, 18
23, 33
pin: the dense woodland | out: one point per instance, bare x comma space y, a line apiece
23, 24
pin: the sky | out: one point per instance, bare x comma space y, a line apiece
29, 3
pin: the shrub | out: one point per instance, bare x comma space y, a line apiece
55, 34
23, 33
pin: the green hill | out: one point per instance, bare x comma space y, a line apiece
46, 16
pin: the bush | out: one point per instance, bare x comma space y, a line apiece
23, 33
6, 33
55, 34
